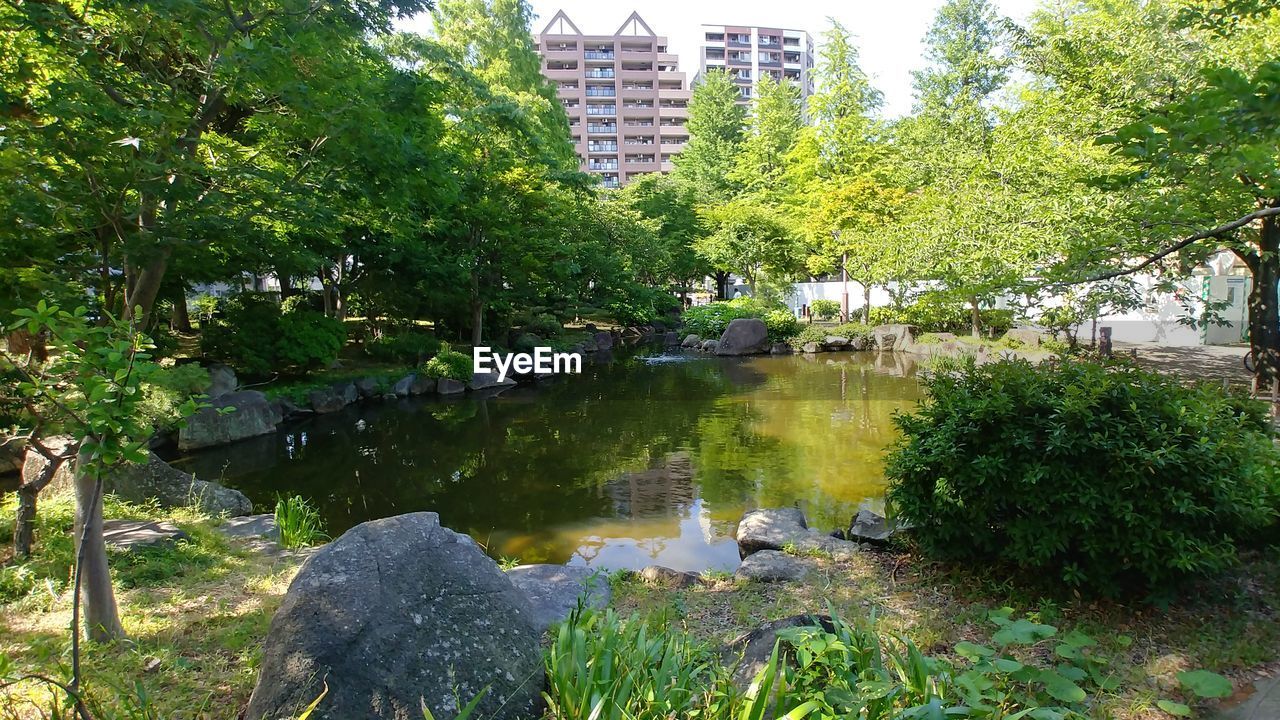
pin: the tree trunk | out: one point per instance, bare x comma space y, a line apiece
1264, 319
722, 285
866, 303
102, 619
286, 287
477, 321
180, 319
976, 316
141, 297
24, 523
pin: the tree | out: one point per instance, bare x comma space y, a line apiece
155, 108
671, 201
715, 134
771, 133
750, 239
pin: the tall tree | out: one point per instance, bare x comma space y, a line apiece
750, 239
715, 135
771, 133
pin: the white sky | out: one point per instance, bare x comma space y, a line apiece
889, 33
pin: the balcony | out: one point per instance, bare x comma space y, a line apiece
603, 165
673, 112
602, 129
598, 55
602, 147
608, 110
600, 73
740, 40
601, 91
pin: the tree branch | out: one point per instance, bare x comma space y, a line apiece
1189, 240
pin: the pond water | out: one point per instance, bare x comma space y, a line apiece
650, 459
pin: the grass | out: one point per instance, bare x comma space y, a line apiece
298, 522
1231, 627
195, 614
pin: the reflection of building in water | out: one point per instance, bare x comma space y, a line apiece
664, 491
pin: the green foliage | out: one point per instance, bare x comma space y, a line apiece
824, 309
601, 666
1111, 478
298, 522
819, 333
48, 570
448, 363
409, 347
936, 312
167, 391
255, 337
710, 320
203, 307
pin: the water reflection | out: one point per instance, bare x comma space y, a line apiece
648, 459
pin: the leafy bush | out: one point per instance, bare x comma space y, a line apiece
709, 321
543, 325
824, 309
782, 324
936, 312
407, 347
167, 389
204, 307
448, 363
257, 339
298, 522
818, 333
1109, 477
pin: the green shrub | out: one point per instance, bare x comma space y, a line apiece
1112, 478
165, 390
408, 347
204, 307
448, 363
824, 309
544, 325
709, 321
781, 324
937, 312
257, 339
819, 333
298, 522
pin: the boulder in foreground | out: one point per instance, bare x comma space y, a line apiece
396, 613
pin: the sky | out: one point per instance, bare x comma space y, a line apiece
889, 33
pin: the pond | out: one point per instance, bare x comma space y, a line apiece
652, 458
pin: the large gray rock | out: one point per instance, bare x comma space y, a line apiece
554, 591
812, 347
233, 416
1029, 337
251, 526
770, 529
772, 566
780, 348
12, 451
895, 337
748, 653
170, 487
691, 341
449, 386
396, 613
130, 535
604, 341
422, 385
404, 386
835, 342
33, 463
334, 398
710, 345
744, 336
484, 381
367, 387
222, 380
668, 577
671, 339
869, 526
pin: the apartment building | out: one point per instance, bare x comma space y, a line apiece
625, 95
747, 53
